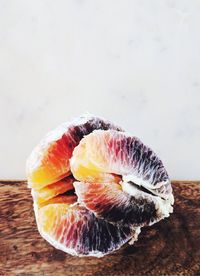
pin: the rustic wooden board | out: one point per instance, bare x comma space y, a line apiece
172, 246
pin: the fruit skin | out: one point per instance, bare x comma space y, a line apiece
111, 151
109, 202
49, 161
76, 230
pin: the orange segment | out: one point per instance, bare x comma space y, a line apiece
49, 161
54, 189
68, 199
93, 160
76, 230
109, 202
102, 153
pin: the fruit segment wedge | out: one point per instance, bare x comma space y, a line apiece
75, 230
69, 199
110, 151
53, 190
49, 161
110, 202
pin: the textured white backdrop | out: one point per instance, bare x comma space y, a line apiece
134, 62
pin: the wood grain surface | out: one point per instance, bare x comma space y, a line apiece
170, 247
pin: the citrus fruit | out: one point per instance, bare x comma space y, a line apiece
94, 186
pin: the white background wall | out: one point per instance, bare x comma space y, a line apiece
134, 62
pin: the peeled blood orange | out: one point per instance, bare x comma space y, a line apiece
94, 186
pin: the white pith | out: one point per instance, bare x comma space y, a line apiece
163, 206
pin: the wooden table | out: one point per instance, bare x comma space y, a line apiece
171, 246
